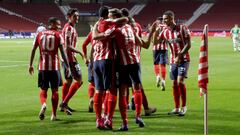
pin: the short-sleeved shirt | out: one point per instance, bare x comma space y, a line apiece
70, 38
176, 38
48, 42
128, 50
102, 49
163, 45
235, 31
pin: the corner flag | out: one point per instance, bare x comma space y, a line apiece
203, 75
203, 63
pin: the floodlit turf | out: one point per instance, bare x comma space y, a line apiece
20, 104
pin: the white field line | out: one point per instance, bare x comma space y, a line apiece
10, 66
21, 61
13, 63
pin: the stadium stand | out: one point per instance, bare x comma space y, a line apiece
92, 8
12, 22
36, 12
152, 10
222, 16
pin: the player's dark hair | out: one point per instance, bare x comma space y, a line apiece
103, 11
116, 12
52, 20
160, 18
169, 13
125, 12
71, 11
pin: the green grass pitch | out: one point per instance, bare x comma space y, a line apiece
19, 101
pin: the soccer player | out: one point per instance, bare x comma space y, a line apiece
160, 59
102, 64
235, 31
178, 38
89, 63
70, 41
40, 28
49, 42
138, 31
127, 41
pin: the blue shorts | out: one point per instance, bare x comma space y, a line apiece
102, 71
178, 70
46, 77
90, 72
160, 57
130, 73
75, 70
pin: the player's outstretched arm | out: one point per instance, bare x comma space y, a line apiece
121, 20
96, 35
31, 69
146, 44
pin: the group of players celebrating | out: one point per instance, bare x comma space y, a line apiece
113, 63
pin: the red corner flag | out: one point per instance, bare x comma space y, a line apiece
203, 63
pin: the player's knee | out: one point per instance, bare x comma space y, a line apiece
68, 82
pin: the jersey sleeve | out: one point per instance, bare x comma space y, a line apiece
67, 35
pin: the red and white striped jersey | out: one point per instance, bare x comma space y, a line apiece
163, 45
176, 38
70, 38
102, 49
48, 42
129, 53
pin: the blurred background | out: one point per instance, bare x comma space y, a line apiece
20, 18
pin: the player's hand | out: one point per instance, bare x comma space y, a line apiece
81, 55
154, 26
86, 61
177, 60
31, 70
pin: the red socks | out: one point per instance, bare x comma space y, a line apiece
176, 94
156, 70
182, 89
138, 102
112, 101
98, 104
54, 101
43, 96
91, 89
65, 89
105, 102
163, 71
74, 87
123, 108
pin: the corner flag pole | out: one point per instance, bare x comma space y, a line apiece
203, 75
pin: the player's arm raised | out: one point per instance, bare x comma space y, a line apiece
146, 44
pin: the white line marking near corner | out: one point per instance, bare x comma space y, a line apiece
10, 66
13, 61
